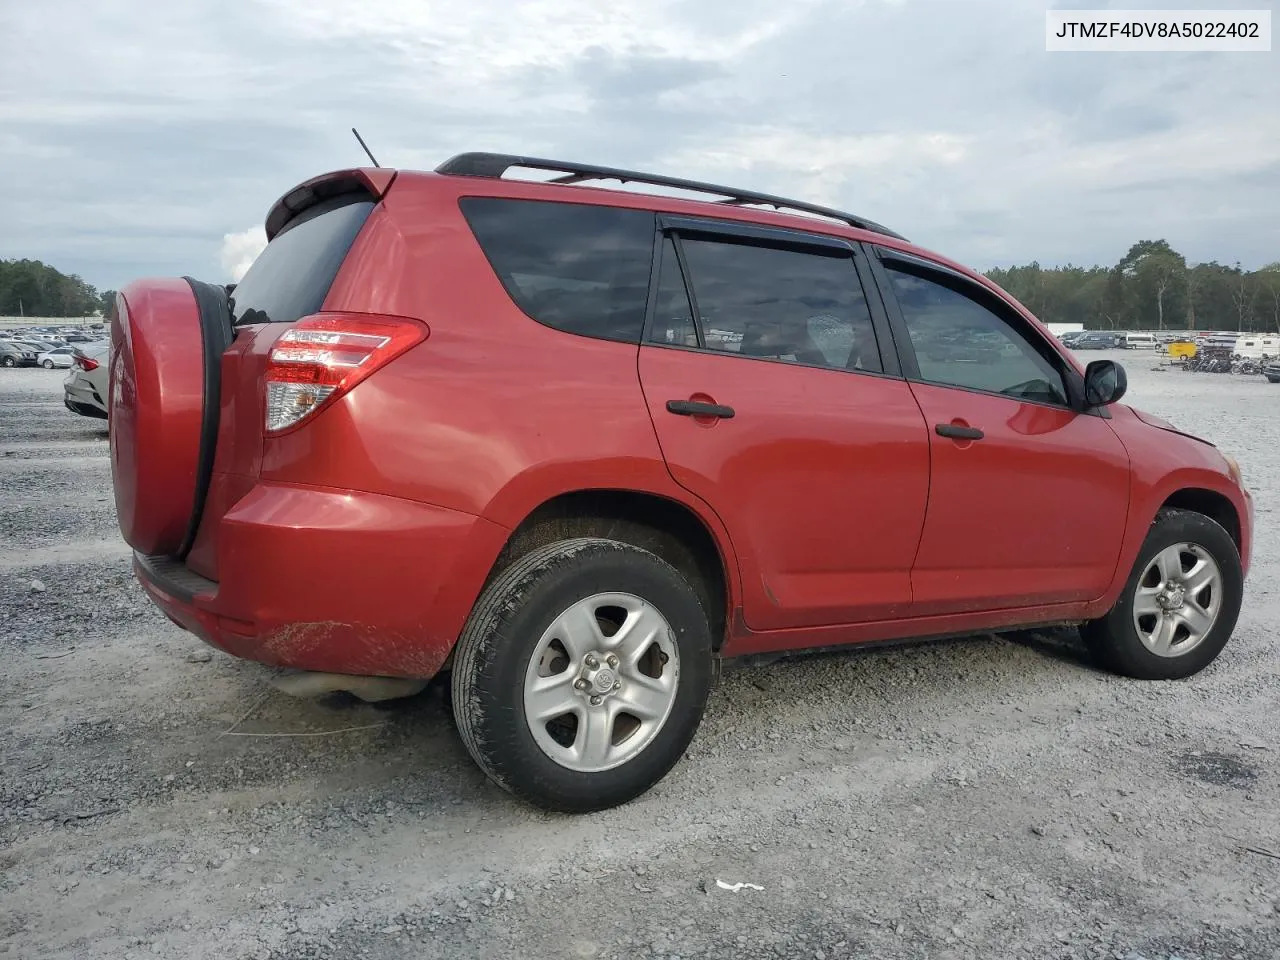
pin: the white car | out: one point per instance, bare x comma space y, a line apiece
1140, 341
57, 357
85, 389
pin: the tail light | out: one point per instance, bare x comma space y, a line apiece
321, 357
85, 363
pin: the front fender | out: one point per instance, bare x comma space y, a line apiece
1167, 464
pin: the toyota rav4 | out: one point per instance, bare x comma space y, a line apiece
576, 445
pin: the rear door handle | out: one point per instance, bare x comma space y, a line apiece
696, 408
957, 432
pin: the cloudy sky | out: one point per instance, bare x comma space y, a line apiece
150, 136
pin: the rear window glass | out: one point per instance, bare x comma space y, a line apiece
292, 276
577, 267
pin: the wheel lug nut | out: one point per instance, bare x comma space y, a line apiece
596, 701
612, 660
617, 684
581, 684
592, 662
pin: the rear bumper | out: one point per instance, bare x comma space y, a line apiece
80, 396
85, 409
333, 581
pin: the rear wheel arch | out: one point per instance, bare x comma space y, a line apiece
668, 528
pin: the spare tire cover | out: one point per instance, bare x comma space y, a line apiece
157, 399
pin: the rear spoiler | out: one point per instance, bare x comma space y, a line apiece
373, 182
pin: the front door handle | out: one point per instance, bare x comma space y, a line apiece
957, 432
696, 408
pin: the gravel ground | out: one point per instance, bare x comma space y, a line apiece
990, 798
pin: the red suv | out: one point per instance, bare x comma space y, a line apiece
575, 445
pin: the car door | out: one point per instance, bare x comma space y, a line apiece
1028, 495
763, 374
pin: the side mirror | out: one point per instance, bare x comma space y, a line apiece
1105, 382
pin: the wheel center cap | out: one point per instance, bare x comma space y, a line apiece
1173, 598
604, 680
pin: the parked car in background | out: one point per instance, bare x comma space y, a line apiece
57, 357
1139, 340
1071, 336
1098, 340
17, 354
40, 346
576, 445
85, 389
1271, 371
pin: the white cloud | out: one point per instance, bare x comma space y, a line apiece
239, 250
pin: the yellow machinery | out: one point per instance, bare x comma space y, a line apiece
1180, 351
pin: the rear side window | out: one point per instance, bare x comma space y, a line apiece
770, 303
292, 276
579, 268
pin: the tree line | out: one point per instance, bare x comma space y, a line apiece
34, 289
1151, 288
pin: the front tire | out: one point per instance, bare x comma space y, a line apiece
48, 364
10, 362
582, 674
1179, 605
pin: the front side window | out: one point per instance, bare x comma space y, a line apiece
960, 342
577, 267
771, 303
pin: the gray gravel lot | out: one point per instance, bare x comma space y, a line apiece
990, 798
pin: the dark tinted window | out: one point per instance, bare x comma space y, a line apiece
579, 268
672, 315
781, 304
960, 342
292, 276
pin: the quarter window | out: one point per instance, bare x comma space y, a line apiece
768, 302
673, 315
577, 267
961, 343
293, 274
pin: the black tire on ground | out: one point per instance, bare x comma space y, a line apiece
1113, 640
10, 362
502, 635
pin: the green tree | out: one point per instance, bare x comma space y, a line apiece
1267, 294
106, 300
32, 288
1156, 282
1241, 299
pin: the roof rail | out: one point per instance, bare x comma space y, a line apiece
496, 164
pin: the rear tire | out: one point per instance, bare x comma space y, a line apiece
1186, 586
48, 364
585, 630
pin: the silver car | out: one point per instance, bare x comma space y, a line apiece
57, 357
85, 389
